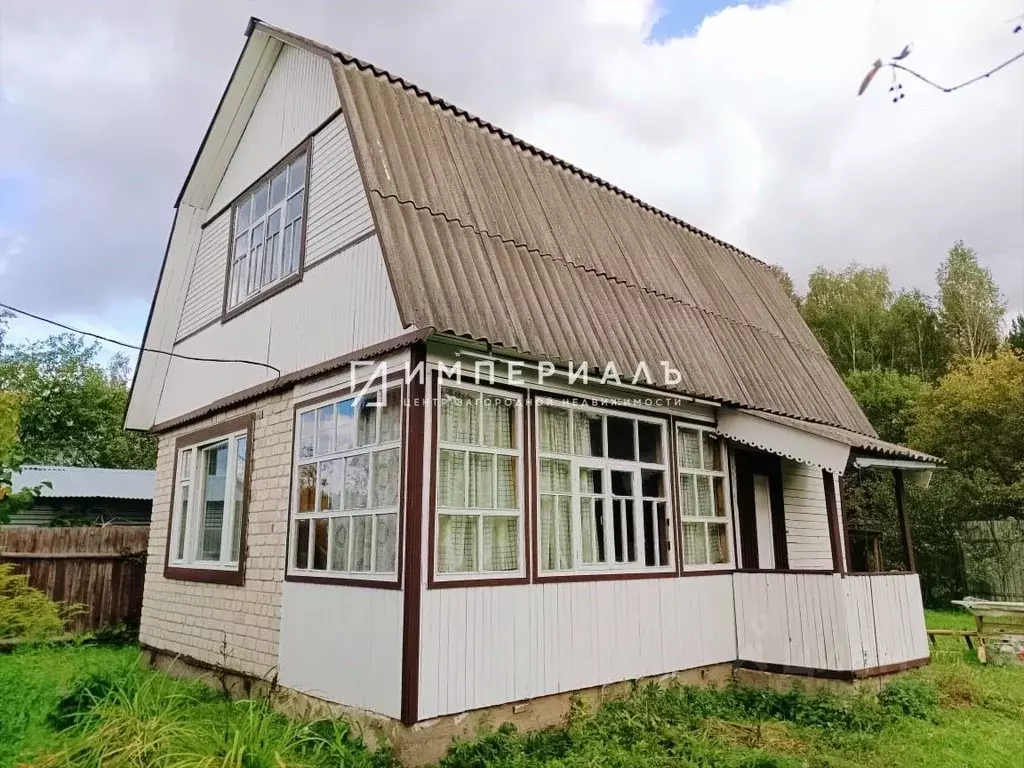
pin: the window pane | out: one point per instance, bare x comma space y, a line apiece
459, 417
241, 245
320, 544
307, 434
296, 248
712, 452
720, 506
331, 474
362, 542
622, 483
591, 480
241, 446
555, 476
554, 430
277, 188
589, 434
508, 483
302, 544
325, 426
694, 544
215, 476
293, 211
297, 173
687, 448
366, 420
704, 507
621, 439
346, 434
652, 483
357, 471
387, 471
618, 529
718, 539
307, 488
687, 504
242, 215
501, 543
556, 532
587, 530
387, 540
649, 442
391, 416
481, 480
185, 466
456, 543
339, 545
652, 553
259, 201
184, 490
288, 256
499, 417
451, 479
239, 275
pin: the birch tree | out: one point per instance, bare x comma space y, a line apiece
970, 305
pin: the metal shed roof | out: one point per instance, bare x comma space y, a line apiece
87, 482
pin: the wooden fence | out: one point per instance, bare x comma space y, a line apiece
101, 569
993, 553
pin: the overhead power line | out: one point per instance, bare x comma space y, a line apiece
138, 348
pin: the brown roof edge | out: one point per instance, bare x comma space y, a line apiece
289, 380
309, 44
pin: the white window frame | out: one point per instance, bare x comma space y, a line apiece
295, 517
727, 494
607, 465
518, 453
189, 489
245, 285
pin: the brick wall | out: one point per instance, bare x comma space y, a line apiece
235, 627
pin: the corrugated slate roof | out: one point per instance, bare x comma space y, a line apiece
87, 482
488, 237
857, 441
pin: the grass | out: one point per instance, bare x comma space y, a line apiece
91, 706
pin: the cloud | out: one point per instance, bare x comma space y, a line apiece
749, 127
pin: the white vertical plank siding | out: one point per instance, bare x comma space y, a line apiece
299, 95
343, 304
338, 209
807, 535
343, 644
204, 297
519, 642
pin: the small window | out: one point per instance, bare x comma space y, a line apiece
603, 496
267, 241
209, 500
703, 498
479, 481
348, 465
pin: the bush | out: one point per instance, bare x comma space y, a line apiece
912, 698
25, 612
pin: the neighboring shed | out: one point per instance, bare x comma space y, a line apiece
86, 496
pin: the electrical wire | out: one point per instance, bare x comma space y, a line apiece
138, 348
950, 89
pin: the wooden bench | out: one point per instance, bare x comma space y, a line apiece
969, 635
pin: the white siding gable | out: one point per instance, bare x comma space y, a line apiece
299, 95
204, 297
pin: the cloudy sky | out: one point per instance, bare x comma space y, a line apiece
741, 119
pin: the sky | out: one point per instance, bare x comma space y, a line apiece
741, 119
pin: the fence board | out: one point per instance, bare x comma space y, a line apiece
101, 568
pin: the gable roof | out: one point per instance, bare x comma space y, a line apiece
489, 238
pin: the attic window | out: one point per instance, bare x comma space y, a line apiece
268, 228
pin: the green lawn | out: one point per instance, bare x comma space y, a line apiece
954, 713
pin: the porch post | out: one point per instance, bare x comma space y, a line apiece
904, 522
833, 521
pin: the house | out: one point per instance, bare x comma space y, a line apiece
85, 496
642, 481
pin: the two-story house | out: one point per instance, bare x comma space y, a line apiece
641, 482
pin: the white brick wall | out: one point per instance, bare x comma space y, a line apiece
236, 627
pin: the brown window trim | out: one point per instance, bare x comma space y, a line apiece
306, 146
454, 582
562, 577
236, 576
351, 580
